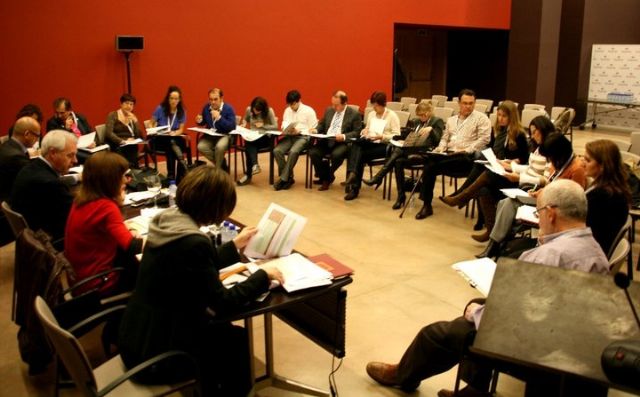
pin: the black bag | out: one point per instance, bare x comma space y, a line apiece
137, 182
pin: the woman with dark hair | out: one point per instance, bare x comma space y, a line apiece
178, 289
564, 164
170, 113
258, 117
122, 128
608, 197
381, 125
486, 188
96, 238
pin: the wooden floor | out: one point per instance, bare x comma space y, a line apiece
403, 281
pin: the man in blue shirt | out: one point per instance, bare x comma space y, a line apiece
219, 116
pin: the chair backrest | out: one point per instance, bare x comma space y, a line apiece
534, 106
404, 117
555, 111
443, 113
394, 105
492, 118
16, 220
630, 158
619, 255
412, 110
487, 102
367, 110
453, 105
147, 123
624, 231
3, 139
354, 107
68, 349
405, 100
530, 114
495, 108
635, 142
438, 100
481, 107
100, 133
622, 144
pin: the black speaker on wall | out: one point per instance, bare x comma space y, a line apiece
129, 43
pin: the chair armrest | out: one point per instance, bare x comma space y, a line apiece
92, 321
142, 366
91, 278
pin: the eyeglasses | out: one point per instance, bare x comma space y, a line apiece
537, 212
36, 134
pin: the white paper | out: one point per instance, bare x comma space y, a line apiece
136, 197
278, 231
85, 140
77, 169
513, 193
479, 273
158, 130
397, 143
300, 273
494, 165
376, 127
247, 134
95, 149
525, 213
136, 141
321, 136
208, 131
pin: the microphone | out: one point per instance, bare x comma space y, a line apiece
623, 282
178, 152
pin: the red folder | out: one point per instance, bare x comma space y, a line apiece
328, 263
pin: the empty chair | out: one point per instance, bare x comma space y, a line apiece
530, 114
453, 105
438, 100
111, 377
404, 117
487, 102
635, 142
394, 105
480, 107
534, 106
412, 110
555, 111
630, 158
619, 255
15, 219
443, 113
563, 120
406, 101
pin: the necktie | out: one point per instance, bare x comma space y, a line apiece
336, 124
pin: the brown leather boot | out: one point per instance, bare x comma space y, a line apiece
461, 199
488, 206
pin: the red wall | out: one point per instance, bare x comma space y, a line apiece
248, 48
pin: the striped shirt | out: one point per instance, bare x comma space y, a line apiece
470, 134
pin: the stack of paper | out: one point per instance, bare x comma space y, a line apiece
247, 134
84, 141
158, 130
493, 165
478, 272
527, 213
278, 231
136, 141
208, 131
300, 273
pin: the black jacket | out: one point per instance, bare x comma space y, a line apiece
12, 159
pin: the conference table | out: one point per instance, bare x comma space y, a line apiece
317, 313
617, 106
555, 321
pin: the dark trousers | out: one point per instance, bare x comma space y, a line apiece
338, 152
129, 152
401, 163
437, 348
163, 143
434, 165
251, 152
361, 153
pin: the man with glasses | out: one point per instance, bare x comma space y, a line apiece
65, 118
39, 193
565, 241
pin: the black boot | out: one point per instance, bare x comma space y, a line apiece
379, 176
491, 251
399, 202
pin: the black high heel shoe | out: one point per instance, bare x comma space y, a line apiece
373, 181
399, 202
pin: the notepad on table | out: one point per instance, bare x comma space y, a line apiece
479, 273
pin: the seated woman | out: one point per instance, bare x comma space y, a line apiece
426, 131
564, 164
122, 127
608, 197
178, 287
170, 113
382, 124
510, 146
96, 238
258, 116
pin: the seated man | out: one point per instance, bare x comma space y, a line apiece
13, 157
565, 241
297, 117
220, 116
342, 122
38, 193
66, 119
464, 134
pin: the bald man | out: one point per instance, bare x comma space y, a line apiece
13, 153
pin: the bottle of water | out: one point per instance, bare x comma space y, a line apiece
216, 236
224, 232
233, 231
172, 193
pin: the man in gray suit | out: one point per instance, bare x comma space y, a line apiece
341, 123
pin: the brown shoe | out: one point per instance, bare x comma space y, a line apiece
325, 186
464, 392
481, 238
385, 374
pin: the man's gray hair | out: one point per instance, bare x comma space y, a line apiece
567, 197
56, 139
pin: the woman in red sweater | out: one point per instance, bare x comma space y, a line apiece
96, 238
